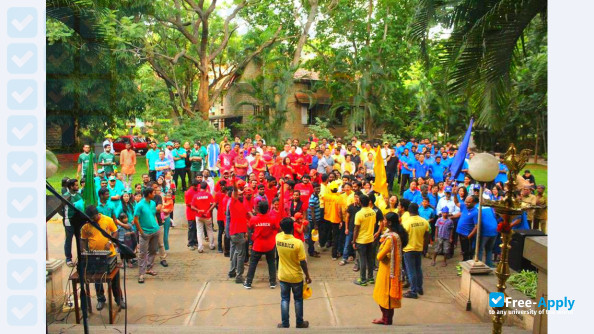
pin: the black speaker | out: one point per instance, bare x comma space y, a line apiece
516, 259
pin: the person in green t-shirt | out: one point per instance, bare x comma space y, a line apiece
197, 158
152, 155
163, 145
107, 159
146, 223
179, 160
83, 161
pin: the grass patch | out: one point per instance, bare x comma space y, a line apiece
525, 282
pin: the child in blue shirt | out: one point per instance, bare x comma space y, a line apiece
444, 236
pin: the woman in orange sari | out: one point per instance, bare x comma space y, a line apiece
388, 287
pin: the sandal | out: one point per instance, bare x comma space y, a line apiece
152, 273
141, 279
342, 263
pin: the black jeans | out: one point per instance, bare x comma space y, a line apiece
325, 232
222, 236
466, 247
337, 239
366, 260
115, 290
255, 258
192, 233
68, 242
180, 172
404, 179
390, 176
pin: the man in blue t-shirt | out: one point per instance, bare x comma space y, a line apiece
152, 155
467, 226
502, 176
438, 170
421, 169
488, 235
146, 223
406, 170
412, 193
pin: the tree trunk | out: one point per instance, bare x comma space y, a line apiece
203, 98
536, 142
313, 12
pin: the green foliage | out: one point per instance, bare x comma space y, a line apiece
196, 128
320, 129
525, 282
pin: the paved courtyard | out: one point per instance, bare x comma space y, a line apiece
194, 291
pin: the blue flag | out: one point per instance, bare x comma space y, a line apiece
460, 156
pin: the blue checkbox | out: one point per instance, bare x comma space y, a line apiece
21, 130
22, 22
22, 58
496, 299
22, 94
21, 310
21, 238
21, 274
22, 202
21, 166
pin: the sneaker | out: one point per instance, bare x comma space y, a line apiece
69, 263
231, 275
406, 285
164, 263
247, 285
239, 279
334, 258
358, 281
122, 305
420, 292
304, 324
273, 285
100, 305
281, 326
192, 248
371, 281
220, 250
410, 294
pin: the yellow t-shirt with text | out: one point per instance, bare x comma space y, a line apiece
290, 253
415, 226
332, 207
365, 219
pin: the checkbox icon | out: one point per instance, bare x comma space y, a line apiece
21, 274
22, 203
21, 310
22, 94
21, 166
22, 22
22, 58
496, 299
21, 130
21, 238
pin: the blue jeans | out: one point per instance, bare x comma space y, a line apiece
414, 271
486, 244
348, 247
68, 242
297, 289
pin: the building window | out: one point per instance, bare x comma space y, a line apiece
322, 111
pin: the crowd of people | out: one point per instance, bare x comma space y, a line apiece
248, 200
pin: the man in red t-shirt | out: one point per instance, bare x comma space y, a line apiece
238, 219
225, 162
241, 166
191, 215
305, 188
203, 204
265, 228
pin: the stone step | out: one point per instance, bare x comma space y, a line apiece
413, 329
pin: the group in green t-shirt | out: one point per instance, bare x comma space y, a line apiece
83, 160
179, 157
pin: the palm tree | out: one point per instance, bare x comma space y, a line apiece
487, 36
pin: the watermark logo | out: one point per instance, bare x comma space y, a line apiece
496, 299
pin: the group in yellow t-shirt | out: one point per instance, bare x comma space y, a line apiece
415, 226
290, 253
332, 207
365, 219
95, 239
